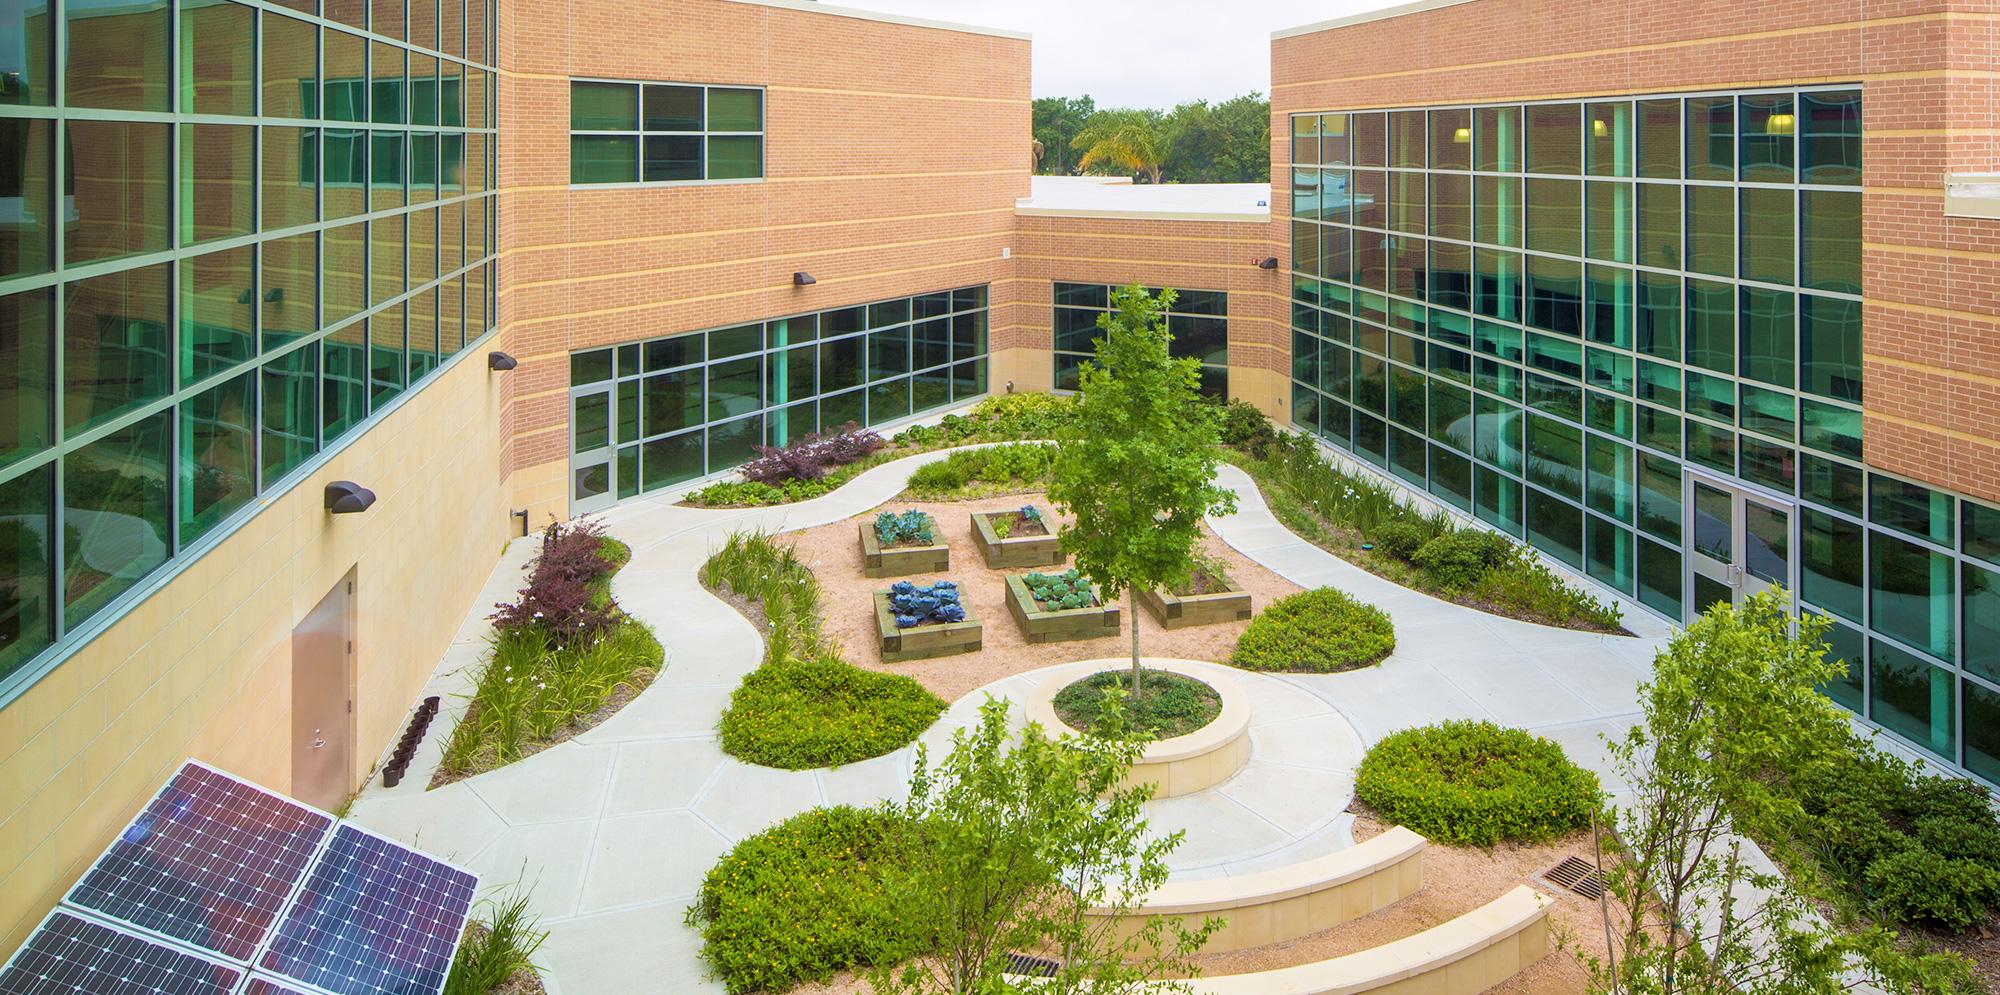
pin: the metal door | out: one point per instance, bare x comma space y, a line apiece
590, 447
323, 700
1740, 542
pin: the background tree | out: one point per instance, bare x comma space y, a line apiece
1014, 843
1229, 142
1733, 703
1135, 463
1124, 141
1057, 121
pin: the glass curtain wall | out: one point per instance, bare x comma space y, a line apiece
1198, 322
653, 414
1556, 317
230, 235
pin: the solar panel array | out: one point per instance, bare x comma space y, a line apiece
220, 887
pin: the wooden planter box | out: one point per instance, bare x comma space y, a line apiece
900, 561
924, 641
1176, 612
1013, 551
1057, 626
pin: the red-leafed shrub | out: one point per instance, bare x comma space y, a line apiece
568, 596
811, 456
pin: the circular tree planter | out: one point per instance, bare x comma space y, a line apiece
1182, 765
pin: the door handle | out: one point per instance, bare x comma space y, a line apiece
318, 743
1735, 576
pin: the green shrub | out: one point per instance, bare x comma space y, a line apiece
1400, 539
797, 714
805, 898
1917, 885
1472, 783
1000, 418
752, 565
1321, 631
979, 472
1245, 428
1458, 558
1170, 705
1526, 587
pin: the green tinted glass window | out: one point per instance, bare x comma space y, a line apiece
603, 159
1497, 210
1710, 138
26, 162
128, 171
1830, 138
1830, 347
1711, 326
218, 71
217, 454
1555, 216
290, 405
1830, 240
114, 515
1659, 138
117, 53
1659, 225
115, 347
1911, 593
1768, 125
733, 158
217, 317
1451, 139
1911, 697
27, 558
1608, 143
1830, 567
1768, 328
1767, 225
1497, 137
603, 107
1910, 508
27, 390
1611, 221
731, 109
1711, 230
1555, 138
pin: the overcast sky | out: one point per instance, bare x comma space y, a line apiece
1147, 53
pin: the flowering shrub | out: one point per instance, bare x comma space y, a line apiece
568, 595
911, 528
811, 456
1063, 591
915, 605
1470, 783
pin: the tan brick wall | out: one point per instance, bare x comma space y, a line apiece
1197, 255
203, 667
894, 154
1930, 75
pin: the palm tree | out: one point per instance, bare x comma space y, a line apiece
1129, 141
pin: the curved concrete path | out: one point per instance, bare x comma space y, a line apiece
616, 828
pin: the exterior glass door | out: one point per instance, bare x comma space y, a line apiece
590, 449
1740, 543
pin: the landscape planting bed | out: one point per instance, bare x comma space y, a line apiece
924, 641
1175, 611
1016, 550
1044, 625
901, 561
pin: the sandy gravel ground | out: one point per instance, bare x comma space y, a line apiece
834, 553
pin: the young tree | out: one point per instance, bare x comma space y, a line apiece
1733, 703
1015, 845
1135, 463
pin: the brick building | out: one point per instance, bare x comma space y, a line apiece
1692, 304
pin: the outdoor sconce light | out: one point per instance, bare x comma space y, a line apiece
500, 361
275, 295
248, 296
345, 497
1268, 262
803, 279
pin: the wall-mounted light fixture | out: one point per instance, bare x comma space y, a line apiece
275, 295
803, 279
500, 361
1268, 262
1780, 124
345, 497
1462, 136
1598, 129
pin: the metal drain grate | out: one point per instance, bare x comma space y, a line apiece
1578, 875
1032, 967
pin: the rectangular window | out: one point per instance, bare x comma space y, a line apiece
664, 132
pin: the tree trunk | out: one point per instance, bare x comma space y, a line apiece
1132, 608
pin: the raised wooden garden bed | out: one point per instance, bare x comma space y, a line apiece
1230, 603
900, 561
1057, 625
924, 641
1018, 549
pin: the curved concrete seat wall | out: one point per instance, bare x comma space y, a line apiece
1182, 765
1464, 956
1285, 903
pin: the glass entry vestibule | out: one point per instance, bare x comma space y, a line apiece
1741, 542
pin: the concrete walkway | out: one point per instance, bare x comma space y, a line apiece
616, 828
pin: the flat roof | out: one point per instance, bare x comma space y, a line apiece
814, 7
1397, 10
1119, 197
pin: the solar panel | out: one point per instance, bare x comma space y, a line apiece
374, 918
260, 985
71, 954
209, 862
